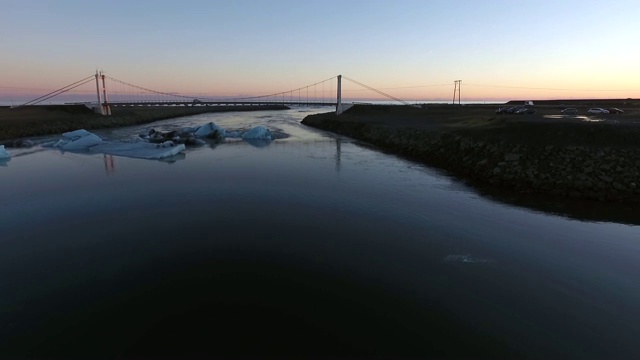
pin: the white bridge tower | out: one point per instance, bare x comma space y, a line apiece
103, 102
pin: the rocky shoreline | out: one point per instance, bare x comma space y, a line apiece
603, 173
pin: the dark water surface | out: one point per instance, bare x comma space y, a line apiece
313, 245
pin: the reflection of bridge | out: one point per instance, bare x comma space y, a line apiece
120, 93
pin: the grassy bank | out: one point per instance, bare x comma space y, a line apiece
541, 153
46, 120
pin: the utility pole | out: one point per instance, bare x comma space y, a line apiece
456, 90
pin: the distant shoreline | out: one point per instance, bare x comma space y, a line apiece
55, 119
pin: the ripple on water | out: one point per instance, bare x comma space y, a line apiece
466, 258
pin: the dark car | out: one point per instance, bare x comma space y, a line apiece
502, 110
569, 111
615, 111
525, 110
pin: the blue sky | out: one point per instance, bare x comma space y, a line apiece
500, 49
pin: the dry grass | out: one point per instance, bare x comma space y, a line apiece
546, 127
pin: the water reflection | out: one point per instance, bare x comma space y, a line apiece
302, 247
575, 117
173, 159
109, 164
259, 143
338, 153
578, 209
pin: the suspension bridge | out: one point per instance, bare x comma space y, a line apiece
111, 92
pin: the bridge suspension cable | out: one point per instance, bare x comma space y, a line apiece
57, 92
275, 95
283, 96
377, 91
149, 90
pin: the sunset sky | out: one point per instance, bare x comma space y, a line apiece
413, 50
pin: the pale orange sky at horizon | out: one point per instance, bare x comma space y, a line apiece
501, 50
416, 92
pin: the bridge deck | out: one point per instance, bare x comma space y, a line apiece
219, 103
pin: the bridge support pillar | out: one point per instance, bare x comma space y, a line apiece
103, 107
340, 107
106, 109
98, 109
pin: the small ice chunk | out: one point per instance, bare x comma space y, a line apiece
210, 130
233, 134
137, 139
51, 143
189, 129
3, 153
60, 143
257, 133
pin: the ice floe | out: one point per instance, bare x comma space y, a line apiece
5, 157
194, 135
78, 140
210, 130
82, 140
156, 144
257, 133
187, 136
3, 153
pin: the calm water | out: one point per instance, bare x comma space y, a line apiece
311, 245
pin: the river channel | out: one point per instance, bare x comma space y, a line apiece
314, 244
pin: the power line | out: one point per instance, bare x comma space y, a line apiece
536, 88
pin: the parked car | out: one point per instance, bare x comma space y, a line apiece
615, 111
502, 110
569, 111
525, 110
597, 111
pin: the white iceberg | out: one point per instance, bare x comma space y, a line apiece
3, 153
210, 130
78, 140
257, 133
83, 143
